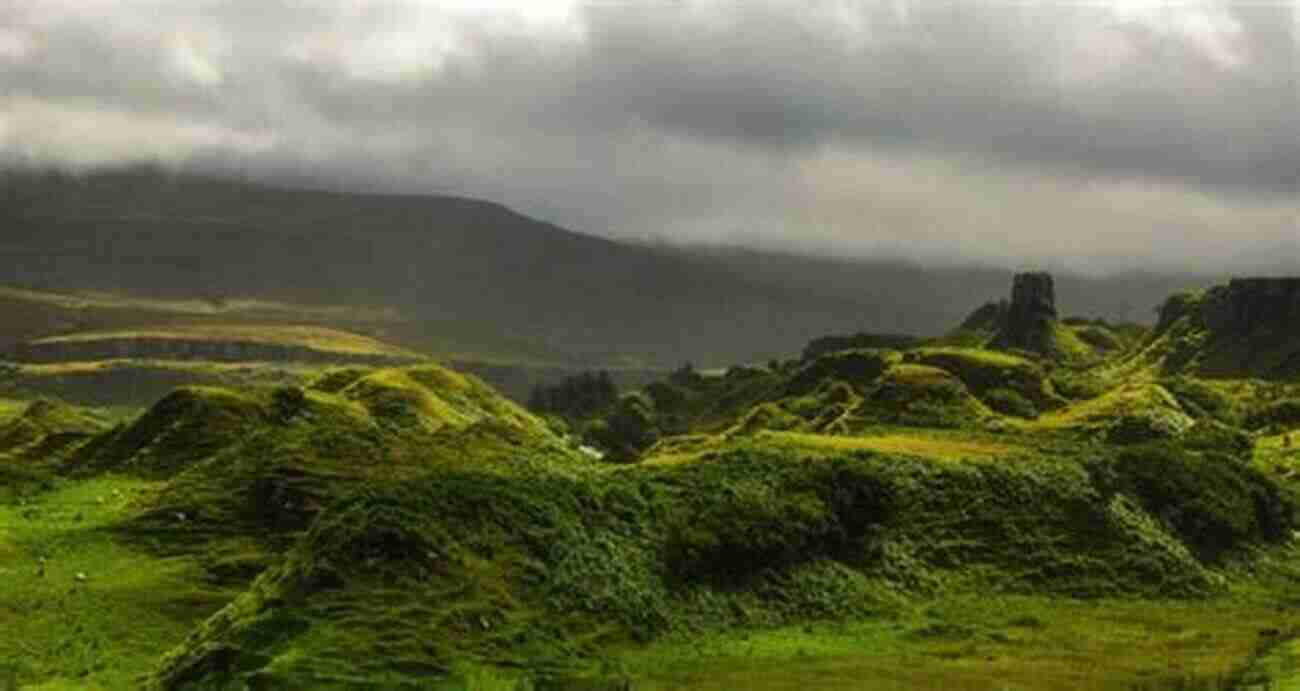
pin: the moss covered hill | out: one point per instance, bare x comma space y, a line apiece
43, 428
1246, 328
264, 462
919, 516
488, 572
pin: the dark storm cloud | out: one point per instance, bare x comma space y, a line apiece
966, 130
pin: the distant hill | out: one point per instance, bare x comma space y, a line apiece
475, 276
1247, 327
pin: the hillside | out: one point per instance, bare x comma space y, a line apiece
475, 277
1246, 328
837, 517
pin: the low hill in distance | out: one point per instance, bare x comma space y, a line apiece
476, 277
114, 350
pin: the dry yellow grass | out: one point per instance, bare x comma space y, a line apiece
677, 450
101, 300
925, 446
316, 337
86, 366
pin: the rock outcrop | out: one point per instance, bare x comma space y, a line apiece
1249, 327
1031, 315
1248, 304
987, 317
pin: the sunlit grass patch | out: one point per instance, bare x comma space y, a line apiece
11, 408
933, 446
315, 337
981, 644
80, 608
1131, 398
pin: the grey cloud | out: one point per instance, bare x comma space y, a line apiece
723, 122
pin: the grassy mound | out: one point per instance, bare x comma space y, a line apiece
991, 376
44, 429
858, 368
404, 583
1132, 401
184, 427
264, 465
920, 396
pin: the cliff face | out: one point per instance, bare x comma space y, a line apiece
1031, 314
1246, 305
1249, 327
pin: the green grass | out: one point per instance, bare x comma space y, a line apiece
104, 631
408, 525
11, 408
932, 446
548, 573
986, 644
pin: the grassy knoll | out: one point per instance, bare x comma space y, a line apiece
859, 516
557, 574
82, 607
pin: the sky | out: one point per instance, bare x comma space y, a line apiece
1095, 136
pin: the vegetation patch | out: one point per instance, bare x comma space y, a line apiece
402, 581
995, 378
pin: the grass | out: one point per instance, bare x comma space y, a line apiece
98, 300
315, 337
986, 644
11, 408
545, 572
932, 446
104, 631
1130, 398
408, 525
141, 382
975, 356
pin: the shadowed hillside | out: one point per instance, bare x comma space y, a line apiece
478, 274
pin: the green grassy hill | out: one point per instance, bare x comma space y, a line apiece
935, 515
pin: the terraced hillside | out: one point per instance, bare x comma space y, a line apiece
116, 350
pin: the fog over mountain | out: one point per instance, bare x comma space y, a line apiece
1096, 137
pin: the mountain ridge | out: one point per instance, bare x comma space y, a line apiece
456, 265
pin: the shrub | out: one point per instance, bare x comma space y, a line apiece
857, 367
629, 429
1198, 398
746, 530
1212, 503
1210, 435
287, 402
1285, 412
1149, 425
1009, 402
1077, 386
752, 515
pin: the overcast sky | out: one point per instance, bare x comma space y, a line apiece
1096, 135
